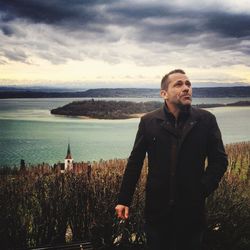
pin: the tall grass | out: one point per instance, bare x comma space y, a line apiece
41, 206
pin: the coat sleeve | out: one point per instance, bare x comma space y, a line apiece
217, 159
133, 168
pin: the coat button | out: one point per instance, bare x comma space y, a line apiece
171, 202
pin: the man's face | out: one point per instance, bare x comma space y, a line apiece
179, 91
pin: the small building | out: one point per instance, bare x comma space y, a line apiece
75, 167
68, 162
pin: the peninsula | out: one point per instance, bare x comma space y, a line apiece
119, 109
105, 109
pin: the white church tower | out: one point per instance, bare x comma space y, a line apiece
68, 162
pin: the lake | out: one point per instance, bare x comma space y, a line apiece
30, 132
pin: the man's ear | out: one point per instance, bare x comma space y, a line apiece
164, 94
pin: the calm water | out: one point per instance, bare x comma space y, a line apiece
29, 132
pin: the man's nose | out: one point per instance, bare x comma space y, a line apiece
186, 88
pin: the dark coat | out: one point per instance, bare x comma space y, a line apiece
177, 175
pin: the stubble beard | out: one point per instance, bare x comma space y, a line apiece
184, 106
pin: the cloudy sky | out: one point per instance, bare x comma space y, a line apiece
123, 43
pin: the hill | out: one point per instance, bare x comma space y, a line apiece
119, 109
105, 109
212, 92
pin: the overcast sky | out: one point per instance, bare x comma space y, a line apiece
123, 43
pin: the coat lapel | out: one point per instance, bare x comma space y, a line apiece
167, 125
189, 124
164, 122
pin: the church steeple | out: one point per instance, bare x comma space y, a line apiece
68, 162
68, 156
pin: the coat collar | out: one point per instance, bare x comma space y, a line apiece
190, 123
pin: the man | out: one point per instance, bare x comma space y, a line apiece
177, 138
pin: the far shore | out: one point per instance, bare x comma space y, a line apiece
120, 110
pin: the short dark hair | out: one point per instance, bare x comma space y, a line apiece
165, 82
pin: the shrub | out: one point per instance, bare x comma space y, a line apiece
39, 206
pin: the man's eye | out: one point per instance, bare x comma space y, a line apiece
178, 84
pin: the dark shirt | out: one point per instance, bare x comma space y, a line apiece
183, 116
178, 126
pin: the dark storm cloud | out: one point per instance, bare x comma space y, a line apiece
190, 22
7, 30
138, 12
106, 22
54, 11
83, 17
176, 33
77, 14
210, 28
229, 25
139, 17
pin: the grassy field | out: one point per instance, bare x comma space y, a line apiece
40, 206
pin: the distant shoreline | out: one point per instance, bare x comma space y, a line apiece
204, 92
112, 110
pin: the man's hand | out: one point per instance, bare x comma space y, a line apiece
122, 211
